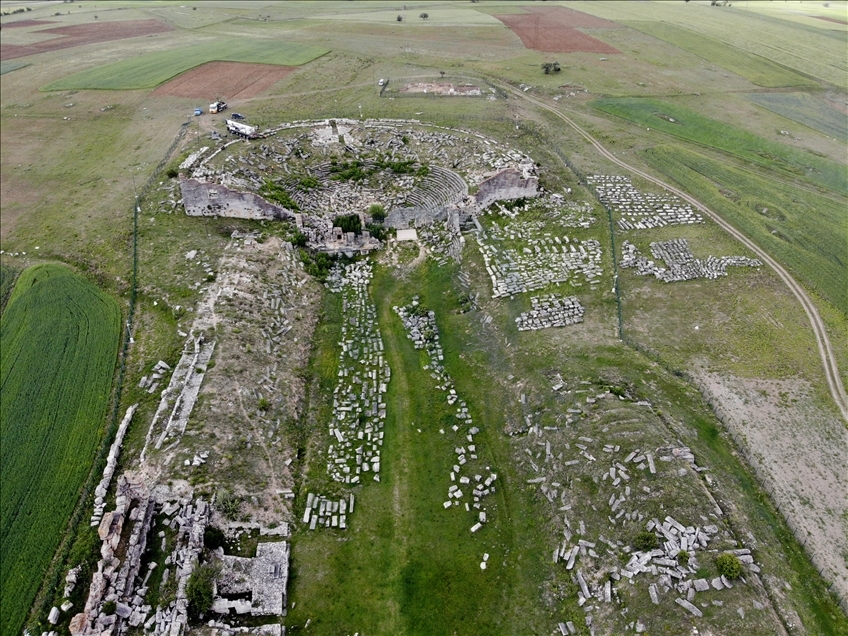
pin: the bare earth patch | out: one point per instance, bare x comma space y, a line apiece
255, 390
442, 89
235, 80
821, 17
81, 34
800, 451
554, 30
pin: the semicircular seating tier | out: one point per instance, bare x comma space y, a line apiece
428, 202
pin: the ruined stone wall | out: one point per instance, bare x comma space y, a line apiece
213, 199
405, 218
505, 185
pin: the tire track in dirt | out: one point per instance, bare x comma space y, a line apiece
831, 370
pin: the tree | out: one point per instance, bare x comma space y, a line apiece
424, 16
349, 223
400, 18
442, 73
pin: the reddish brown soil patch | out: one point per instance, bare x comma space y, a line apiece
821, 17
571, 18
542, 30
80, 34
233, 80
27, 23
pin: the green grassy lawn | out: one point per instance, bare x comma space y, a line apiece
686, 124
807, 233
406, 565
759, 70
150, 70
806, 110
59, 339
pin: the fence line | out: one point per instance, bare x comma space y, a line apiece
53, 578
763, 479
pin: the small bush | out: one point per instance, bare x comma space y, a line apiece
377, 212
278, 194
308, 182
683, 557
109, 607
228, 505
214, 538
645, 541
729, 565
172, 173
199, 589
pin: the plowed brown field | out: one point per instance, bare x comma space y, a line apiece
571, 18
81, 34
227, 80
554, 30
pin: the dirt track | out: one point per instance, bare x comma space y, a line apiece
831, 370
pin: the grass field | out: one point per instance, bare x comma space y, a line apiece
59, 338
806, 110
150, 70
758, 70
805, 232
813, 50
8, 67
8, 274
407, 566
691, 126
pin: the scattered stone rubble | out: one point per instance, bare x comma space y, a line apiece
151, 382
328, 513
118, 579
264, 577
179, 398
681, 264
594, 560
109, 470
641, 210
359, 409
421, 328
550, 311
544, 259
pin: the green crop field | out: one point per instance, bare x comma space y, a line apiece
806, 232
7, 281
8, 67
813, 50
60, 337
689, 125
150, 70
758, 70
806, 110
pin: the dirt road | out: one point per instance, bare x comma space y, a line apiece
831, 371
